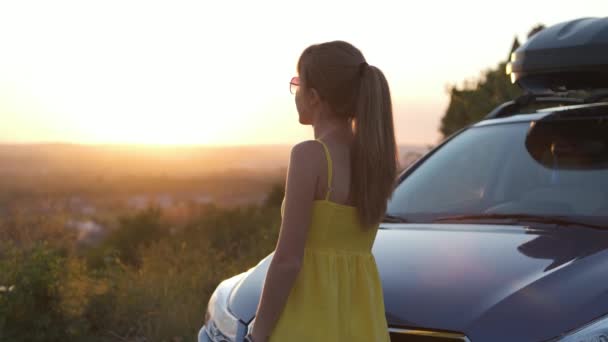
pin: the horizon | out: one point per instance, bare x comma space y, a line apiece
117, 144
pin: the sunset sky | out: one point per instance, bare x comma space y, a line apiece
217, 72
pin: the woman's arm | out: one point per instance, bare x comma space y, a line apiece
302, 173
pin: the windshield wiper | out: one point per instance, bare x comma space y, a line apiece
518, 218
394, 219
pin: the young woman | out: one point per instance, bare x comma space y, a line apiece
322, 283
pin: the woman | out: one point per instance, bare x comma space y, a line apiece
322, 283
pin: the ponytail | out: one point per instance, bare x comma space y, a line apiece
374, 162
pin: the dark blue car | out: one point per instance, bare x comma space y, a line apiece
498, 234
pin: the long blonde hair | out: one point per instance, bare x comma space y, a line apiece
358, 92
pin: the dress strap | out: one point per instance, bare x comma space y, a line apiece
329, 168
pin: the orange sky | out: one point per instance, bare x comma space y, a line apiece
178, 72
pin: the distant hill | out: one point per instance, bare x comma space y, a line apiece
180, 161
132, 159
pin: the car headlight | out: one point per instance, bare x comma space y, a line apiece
220, 324
596, 331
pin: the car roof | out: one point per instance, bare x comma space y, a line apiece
537, 115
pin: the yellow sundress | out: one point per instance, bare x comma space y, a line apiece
337, 295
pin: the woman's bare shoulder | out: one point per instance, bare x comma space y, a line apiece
308, 149
307, 155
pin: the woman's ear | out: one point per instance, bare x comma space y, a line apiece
314, 98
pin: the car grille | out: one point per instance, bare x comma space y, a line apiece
416, 335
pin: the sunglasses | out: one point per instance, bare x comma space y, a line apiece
294, 84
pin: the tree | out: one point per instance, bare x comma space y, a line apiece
473, 101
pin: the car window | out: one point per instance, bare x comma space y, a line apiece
454, 178
490, 169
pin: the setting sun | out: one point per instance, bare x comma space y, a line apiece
218, 73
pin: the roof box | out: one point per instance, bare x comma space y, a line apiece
572, 55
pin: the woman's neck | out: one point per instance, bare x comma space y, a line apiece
334, 130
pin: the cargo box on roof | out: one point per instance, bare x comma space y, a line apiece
572, 55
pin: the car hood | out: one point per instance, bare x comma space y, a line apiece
490, 282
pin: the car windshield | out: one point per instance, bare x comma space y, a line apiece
505, 172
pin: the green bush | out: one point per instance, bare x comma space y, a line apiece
145, 283
123, 242
33, 307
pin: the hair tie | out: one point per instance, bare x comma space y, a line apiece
362, 66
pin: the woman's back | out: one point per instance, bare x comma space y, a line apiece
337, 295
338, 163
